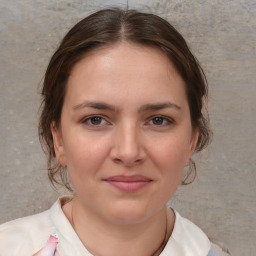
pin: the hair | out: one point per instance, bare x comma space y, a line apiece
107, 27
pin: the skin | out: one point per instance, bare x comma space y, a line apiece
142, 126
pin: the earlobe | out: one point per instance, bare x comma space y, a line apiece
193, 143
192, 147
58, 144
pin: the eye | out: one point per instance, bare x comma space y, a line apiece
96, 121
160, 121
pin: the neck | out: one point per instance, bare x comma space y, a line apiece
103, 238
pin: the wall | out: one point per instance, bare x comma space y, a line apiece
222, 34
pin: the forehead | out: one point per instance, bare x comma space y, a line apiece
123, 55
125, 68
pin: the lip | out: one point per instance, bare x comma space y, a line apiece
128, 183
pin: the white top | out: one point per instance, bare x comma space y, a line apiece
26, 236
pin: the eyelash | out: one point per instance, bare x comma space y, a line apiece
88, 121
166, 121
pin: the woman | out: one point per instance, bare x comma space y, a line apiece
122, 114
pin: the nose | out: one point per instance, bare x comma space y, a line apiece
128, 148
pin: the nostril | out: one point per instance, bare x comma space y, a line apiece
128, 162
117, 160
127, 149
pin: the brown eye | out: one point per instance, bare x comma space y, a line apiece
158, 120
95, 121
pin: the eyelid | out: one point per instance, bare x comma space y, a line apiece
85, 119
166, 118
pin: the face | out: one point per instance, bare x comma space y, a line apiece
125, 132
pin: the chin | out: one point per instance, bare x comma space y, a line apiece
129, 214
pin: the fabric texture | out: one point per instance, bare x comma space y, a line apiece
28, 236
217, 251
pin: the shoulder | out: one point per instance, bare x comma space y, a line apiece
187, 239
216, 250
190, 234
25, 235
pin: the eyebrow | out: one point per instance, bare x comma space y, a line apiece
106, 106
96, 105
159, 106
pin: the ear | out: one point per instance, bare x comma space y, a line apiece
58, 144
192, 146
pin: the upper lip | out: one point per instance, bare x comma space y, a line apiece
125, 178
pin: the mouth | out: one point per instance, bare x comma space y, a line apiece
128, 183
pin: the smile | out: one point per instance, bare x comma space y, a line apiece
128, 183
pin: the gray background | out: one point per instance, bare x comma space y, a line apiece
222, 34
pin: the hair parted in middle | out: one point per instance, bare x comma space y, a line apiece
101, 29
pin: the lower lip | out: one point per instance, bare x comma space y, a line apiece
129, 186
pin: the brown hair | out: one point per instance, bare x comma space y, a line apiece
103, 28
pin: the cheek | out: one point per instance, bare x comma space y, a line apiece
85, 156
171, 162
170, 153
